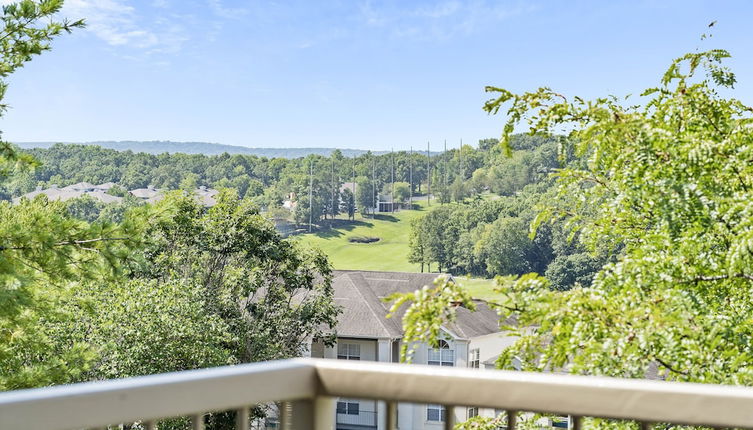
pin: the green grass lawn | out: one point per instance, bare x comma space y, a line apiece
479, 288
389, 254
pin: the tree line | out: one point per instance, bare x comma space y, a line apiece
315, 182
490, 236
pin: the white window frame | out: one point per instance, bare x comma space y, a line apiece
472, 412
474, 358
439, 410
348, 351
349, 407
445, 355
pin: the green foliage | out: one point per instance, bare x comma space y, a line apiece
667, 181
117, 191
364, 194
44, 253
505, 248
458, 190
86, 208
348, 203
271, 294
658, 201
572, 269
419, 252
402, 192
142, 327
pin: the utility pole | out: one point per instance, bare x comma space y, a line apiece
311, 190
444, 179
354, 187
462, 170
410, 178
373, 188
392, 178
332, 208
428, 175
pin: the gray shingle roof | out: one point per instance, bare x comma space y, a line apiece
104, 197
64, 194
80, 186
146, 193
364, 313
206, 196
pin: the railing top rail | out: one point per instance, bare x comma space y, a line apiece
95, 404
185, 393
633, 399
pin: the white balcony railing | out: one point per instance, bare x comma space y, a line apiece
310, 385
365, 419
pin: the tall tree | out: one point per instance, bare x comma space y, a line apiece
364, 195
417, 243
272, 294
348, 203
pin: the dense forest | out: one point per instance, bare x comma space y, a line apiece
266, 181
491, 236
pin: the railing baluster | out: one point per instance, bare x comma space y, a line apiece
283, 415
391, 417
512, 419
241, 418
449, 417
324, 418
197, 422
575, 422
302, 415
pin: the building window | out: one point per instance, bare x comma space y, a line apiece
435, 413
561, 422
472, 412
348, 407
474, 360
442, 356
348, 351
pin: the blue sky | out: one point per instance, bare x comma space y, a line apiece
347, 74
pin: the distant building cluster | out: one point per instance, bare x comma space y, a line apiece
206, 196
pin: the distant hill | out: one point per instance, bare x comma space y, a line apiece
206, 148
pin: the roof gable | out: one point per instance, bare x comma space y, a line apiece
361, 295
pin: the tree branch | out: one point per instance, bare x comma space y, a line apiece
78, 243
670, 368
716, 278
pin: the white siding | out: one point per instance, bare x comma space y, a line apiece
489, 346
413, 416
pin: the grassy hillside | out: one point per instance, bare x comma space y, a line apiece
390, 253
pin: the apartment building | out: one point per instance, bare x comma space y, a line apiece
365, 333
